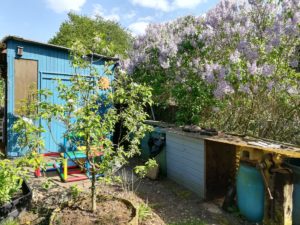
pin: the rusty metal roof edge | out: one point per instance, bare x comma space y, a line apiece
289, 150
17, 38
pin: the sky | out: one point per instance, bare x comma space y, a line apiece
40, 19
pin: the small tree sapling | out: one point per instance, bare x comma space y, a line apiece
89, 116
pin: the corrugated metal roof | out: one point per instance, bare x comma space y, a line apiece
17, 38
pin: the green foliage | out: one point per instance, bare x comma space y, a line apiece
29, 131
11, 179
75, 191
47, 184
143, 170
193, 99
264, 98
144, 211
9, 222
178, 83
84, 28
236, 69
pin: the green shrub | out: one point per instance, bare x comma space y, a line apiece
143, 170
11, 179
9, 222
47, 184
144, 211
75, 191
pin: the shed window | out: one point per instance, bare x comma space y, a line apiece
26, 75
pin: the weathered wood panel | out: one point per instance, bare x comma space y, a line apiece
220, 168
186, 162
26, 75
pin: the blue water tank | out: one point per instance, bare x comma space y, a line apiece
250, 193
294, 164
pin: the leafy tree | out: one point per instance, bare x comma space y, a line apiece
170, 58
84, 28
90, 117
235, 69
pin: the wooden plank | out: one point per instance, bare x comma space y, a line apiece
190, 172
183, 165
292, 152
185, 162
280, 209
181, 148
184, 155
191, 142
197, 167
189, 184
184, 152
184, 175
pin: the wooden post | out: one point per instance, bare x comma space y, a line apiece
280, 209
65, 162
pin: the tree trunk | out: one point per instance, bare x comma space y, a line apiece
93, 189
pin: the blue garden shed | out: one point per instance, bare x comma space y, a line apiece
24, 63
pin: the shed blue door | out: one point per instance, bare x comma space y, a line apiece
53, 137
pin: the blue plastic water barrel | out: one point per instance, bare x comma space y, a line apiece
250, 193
294, 164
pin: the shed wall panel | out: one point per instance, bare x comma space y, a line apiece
186, 162
52, 63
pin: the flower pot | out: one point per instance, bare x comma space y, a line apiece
16, 206
153, 172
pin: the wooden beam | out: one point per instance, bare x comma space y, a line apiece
279, 211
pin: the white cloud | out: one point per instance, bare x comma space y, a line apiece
138, 28
154, 4
167, 5
98, 10
130, 15
146, 18
189, 4
60, 6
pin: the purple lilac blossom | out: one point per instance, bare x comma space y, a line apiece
234, 57
245, 89
223, 88
267, 70
252, 68
294, 63
270, 85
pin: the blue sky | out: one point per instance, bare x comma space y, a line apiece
40, 19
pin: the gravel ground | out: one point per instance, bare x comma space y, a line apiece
163, 201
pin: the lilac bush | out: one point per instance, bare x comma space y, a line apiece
241, 58
170, 57
258, 42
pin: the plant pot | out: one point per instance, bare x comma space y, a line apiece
153, 173
134, 215
16, 206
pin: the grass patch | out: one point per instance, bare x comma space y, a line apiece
144, 211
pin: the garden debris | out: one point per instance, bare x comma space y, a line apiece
209, 131
201, 131
264, 144
191, 128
